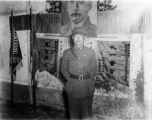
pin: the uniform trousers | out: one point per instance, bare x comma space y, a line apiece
80, 108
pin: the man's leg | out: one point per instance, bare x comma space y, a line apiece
74, 107
86, 108
90, 100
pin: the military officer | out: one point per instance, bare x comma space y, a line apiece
79, 68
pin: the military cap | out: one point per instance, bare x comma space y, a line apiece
79, 30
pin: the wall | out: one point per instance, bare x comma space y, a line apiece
147, 53
22, 76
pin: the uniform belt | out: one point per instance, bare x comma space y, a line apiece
80, 77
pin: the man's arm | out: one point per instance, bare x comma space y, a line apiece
93, 66
65, 66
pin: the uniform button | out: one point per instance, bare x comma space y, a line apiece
79, 71
85, 55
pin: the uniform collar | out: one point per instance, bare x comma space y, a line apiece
79, 48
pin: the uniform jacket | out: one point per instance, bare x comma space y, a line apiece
76, 88
89, 28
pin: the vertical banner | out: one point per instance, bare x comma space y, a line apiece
16, 55
81, 15
113, 63
48, 49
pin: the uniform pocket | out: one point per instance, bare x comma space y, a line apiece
72, 63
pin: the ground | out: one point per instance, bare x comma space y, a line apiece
25, 111
20, 110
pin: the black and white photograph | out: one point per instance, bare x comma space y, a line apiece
76, 59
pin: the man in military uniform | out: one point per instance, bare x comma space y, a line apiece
79, 68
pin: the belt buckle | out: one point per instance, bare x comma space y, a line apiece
80, 77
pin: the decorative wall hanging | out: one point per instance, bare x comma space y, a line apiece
113, 63
53, 6
48, 23
48, 49
16, 55
105, 5
84, 18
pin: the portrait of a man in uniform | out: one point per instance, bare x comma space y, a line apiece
78, 14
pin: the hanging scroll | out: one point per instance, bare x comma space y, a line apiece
113, 62
48, 49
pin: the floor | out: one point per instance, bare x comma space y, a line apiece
20, 111
25, 111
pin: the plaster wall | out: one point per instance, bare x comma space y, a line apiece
147, 50
22, 79
19, 8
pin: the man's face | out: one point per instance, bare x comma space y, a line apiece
78, 10
78, 39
